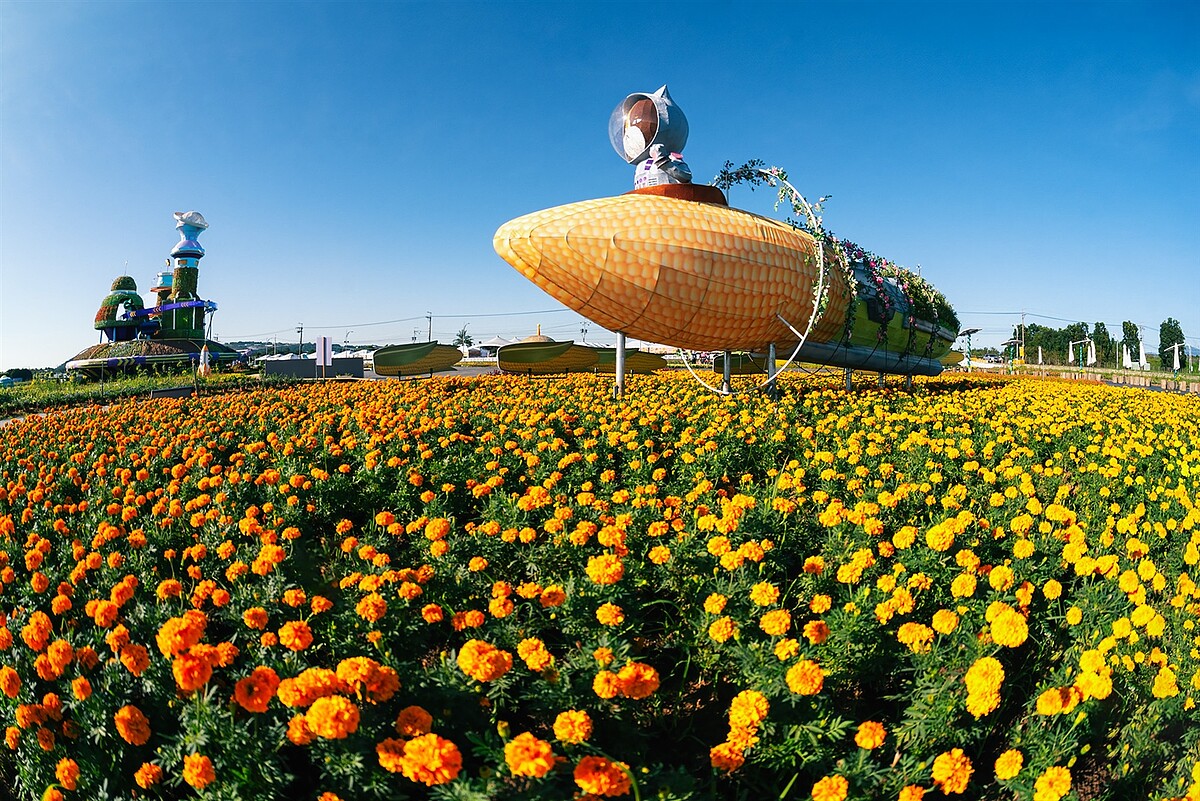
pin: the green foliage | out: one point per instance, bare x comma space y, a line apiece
1170, 333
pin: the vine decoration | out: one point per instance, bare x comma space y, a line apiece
924, 300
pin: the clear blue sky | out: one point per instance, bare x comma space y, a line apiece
354, 159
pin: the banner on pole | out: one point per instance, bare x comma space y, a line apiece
324, 352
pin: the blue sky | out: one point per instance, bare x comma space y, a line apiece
354, 159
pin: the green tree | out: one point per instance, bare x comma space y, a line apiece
462, 338
1129, 337
1106, 346
1169, 334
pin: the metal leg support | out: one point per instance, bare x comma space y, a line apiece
772, 388
727, 381
619, 386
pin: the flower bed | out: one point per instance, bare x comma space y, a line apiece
504, 588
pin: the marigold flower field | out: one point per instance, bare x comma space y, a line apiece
504, 588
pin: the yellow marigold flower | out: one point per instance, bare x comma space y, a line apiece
831, 788
944, 621
1009, 764
917, 636
983, 681
820, 604
805, 677
1001, 578
610, 615
722, 629
483, 661
963, 586
1165, 684
714, 604
1009, 628
572, 726
814, 564
660, 554
952, 771
526, 755
605, 569
776, 622
748, 709
1074, 616
603, 655
911, 792
870, 735
198, 771
786, 648
1052, 785
600, 776
764, 593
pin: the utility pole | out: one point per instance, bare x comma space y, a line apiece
300, 331
429, 317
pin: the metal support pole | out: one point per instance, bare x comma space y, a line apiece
849, 380
727, 381
908, 383
882, 379
772, 388
619, 387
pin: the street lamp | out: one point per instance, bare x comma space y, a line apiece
967, 334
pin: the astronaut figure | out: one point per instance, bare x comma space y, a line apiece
662, 168
649, 130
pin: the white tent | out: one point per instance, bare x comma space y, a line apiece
1070, 353
1039, 354
1091, 353
1142, 364
1126, 359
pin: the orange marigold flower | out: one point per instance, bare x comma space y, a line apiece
255, 692
295, 635
198, 771
722, 629
764, 593
816, 631
332, 717
727, 756
148, 775
298, 732
191, 670
831, 788
599, 776
428, 759
482, 661
871, 735
372, 607
572, 726
805, 677
432, 613
413, 721
81, 688
553, 595
10, 681
135, 658
606, 684
132, 725
526, 755
776, 622
748, 709
952, 771
67, 772
637, 680
610, 615
179, 634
